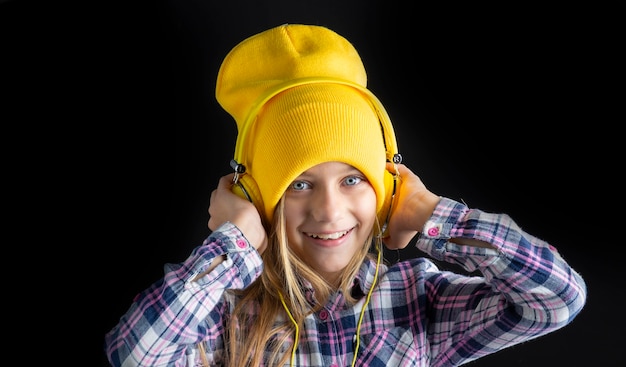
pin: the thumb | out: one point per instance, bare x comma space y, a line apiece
398, 239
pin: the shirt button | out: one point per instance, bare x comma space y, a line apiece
433, 231
241, 243
323, 314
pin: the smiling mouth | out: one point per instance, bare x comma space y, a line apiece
327, 236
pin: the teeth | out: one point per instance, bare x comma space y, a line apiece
330, 236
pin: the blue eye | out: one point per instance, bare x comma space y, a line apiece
299, 185
353, 180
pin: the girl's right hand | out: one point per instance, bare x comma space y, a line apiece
226, 206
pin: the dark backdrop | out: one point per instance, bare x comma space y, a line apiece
509, 107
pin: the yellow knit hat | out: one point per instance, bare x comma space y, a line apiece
298, 95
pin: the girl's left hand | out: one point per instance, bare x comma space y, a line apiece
412, 207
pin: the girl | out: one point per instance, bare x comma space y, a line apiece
292, 273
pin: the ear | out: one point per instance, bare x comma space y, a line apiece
247, 188
392, 181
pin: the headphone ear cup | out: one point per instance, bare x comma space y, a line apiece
247, 188
391, 182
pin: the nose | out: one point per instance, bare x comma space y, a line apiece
327, 204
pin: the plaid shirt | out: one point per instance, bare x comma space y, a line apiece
418, 315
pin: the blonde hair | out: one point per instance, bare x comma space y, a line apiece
252, 335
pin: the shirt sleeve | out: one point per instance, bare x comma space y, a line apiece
526, 289
179, 310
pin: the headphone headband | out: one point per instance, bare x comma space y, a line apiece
389, 137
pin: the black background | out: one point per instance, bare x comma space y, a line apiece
510, 107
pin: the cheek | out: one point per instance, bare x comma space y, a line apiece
365, 208
292, 209
294, 215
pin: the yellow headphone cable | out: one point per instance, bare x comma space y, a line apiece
358, 328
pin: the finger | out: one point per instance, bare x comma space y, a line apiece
398, 241
212, 197
226, 181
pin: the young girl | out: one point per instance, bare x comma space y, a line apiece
292, 272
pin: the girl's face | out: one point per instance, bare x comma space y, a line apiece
330, 210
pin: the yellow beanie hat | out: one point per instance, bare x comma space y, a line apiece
298, 95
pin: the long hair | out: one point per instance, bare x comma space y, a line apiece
260, 329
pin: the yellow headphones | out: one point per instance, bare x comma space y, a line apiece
244, 184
